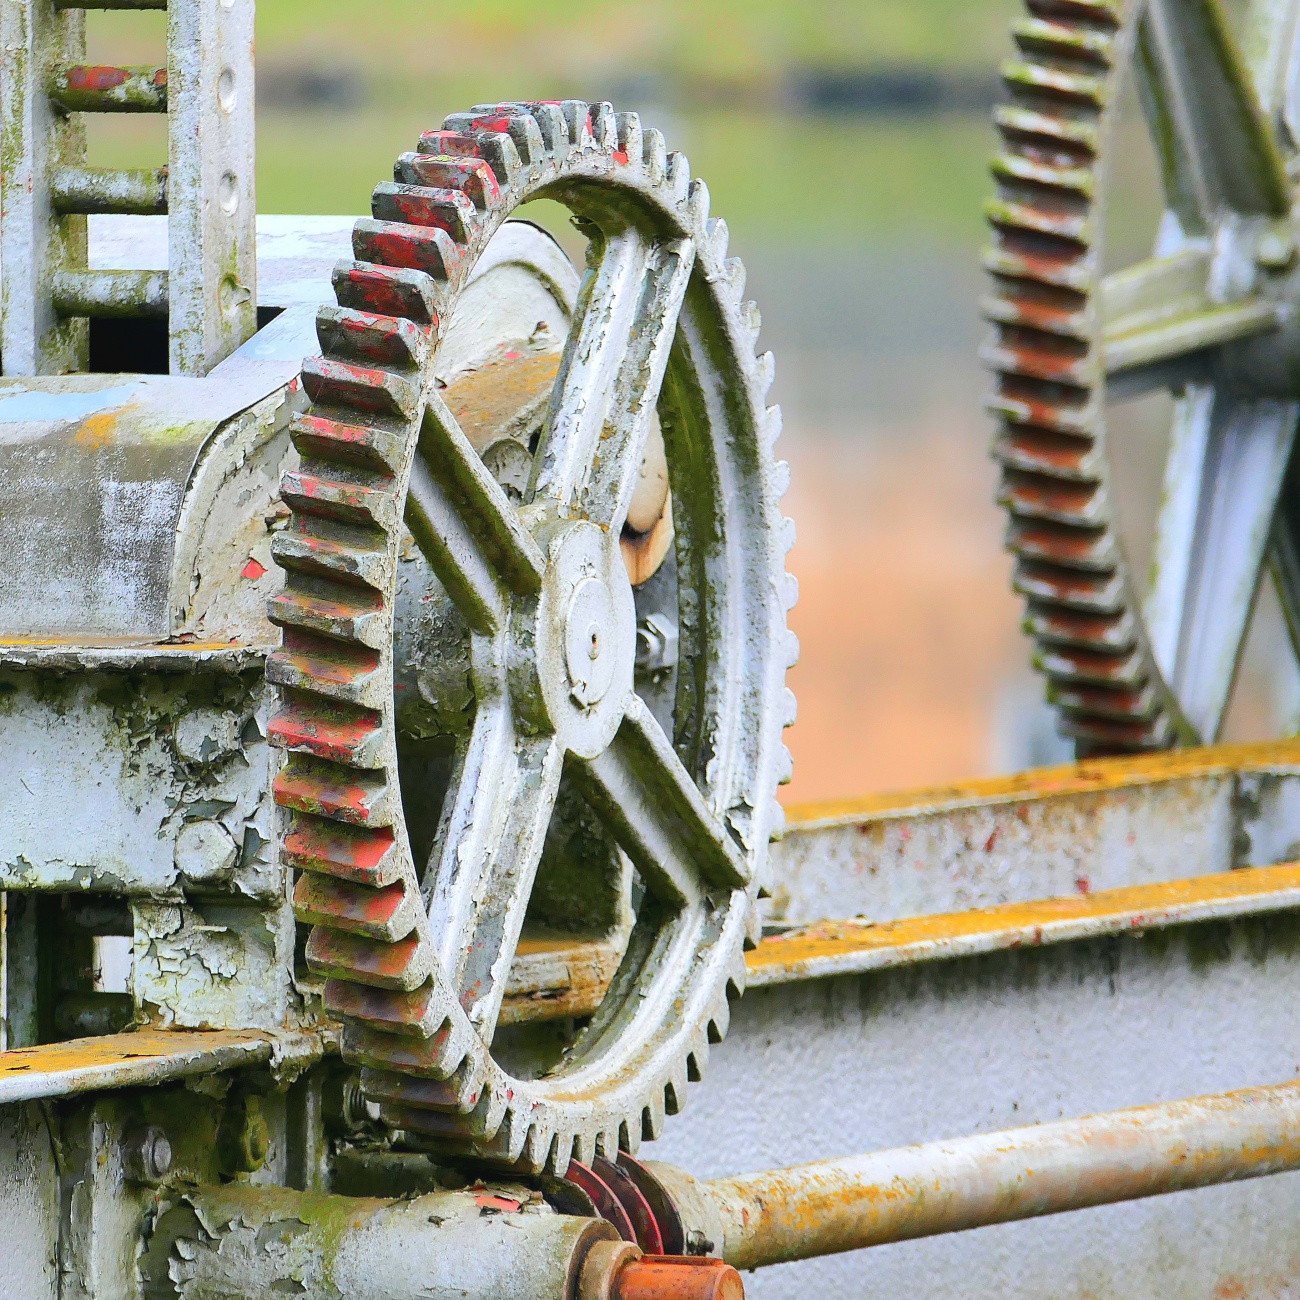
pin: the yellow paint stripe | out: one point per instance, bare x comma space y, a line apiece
846, 947
1049, 782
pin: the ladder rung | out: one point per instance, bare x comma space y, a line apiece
110, 4
114, 294
109, 189
90, 88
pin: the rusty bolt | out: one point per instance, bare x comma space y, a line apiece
243, 1140
617, 1270
146, 1155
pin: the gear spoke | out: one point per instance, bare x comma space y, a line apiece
464, 523
654, 810
611, 374
1227, 459
1218, 151
486, 855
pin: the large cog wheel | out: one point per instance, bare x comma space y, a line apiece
1210, 316
531, 613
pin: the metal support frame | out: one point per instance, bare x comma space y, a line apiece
47, 189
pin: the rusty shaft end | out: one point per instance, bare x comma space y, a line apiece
617, 1270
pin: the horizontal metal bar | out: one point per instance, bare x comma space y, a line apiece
112, 294
825, 949
110, 4
135, 191
1096, 776
940, 1187
89, 88
146, 1056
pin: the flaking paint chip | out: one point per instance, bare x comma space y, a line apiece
252, 571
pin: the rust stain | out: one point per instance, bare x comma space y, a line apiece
1072, 778
1133, 907
486, 400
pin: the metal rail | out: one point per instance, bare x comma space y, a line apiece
940, 1187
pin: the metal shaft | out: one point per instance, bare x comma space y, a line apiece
938, 1187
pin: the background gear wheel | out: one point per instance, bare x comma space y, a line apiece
1209, 316
529, 613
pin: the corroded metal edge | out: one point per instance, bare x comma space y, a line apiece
65, 657
1045, 783
847, 948
146, 1057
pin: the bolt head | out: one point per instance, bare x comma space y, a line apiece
1276, 250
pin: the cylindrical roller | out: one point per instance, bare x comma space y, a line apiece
88, 88
255, 1241
938, 1187
616, 1270
110, 189
115, 294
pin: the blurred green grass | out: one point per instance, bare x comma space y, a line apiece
724, 66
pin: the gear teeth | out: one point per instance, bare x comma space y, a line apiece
330, 790
386, 915
1094, 593
514, 122
391, 1012
332, 498
780, 478
1141, 704
1091, 667
420, 205
733, 271
338, 670
1039, 451
388, 290
1055, 626
789, 592
652, 1119
472, 176
787, 707
458, 1093
630, 138
785, 767
775, 426
777, 831
1035, 496
788, 534
654, 151
675, 1091
427, 249
368, 856
718, 237
577, 117
446, 1048
441, 144
791, 648
679, 176
328, 552
369, 339
352, 737
501, 153
402, 965
697, 199
551, 123
361, 388
344, 613
604, 130
356, 445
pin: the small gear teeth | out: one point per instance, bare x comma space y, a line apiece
697, 197
655, 152
631, 142
1044, 269
679, 176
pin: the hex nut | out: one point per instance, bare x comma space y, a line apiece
205, 851
146, 1155
205, 735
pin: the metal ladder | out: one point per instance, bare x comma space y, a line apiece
49, 293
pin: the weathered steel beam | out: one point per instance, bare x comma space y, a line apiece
831, 948
139, 191
940, 1187
145, 1057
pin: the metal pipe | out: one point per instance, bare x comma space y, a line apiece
113, 294
489, 1244
109, 189
85, 88
938, 1187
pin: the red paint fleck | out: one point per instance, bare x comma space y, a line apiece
991, 841
496, 1204
1083, 884
513, 356
252, 571
620, 157
92, 78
